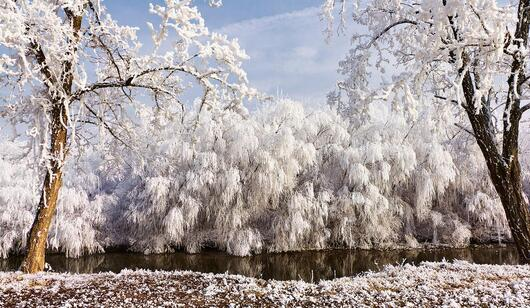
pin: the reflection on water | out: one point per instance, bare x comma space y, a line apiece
308, 265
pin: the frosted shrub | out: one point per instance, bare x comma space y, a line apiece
80, 218
18, 195
80, 221
282, 178
290, 179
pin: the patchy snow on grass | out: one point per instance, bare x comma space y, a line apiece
428, 284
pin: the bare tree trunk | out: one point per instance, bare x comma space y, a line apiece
505, 174
504, 168
34, 260
509, 188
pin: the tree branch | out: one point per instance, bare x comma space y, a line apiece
389, 27
466, 130
107, 127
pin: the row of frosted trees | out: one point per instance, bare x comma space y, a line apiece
283, 178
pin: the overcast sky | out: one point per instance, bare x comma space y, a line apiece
284, 39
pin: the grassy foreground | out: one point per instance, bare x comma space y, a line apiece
428, 284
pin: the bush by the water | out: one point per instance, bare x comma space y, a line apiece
278, 179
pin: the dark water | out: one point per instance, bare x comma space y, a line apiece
308, 265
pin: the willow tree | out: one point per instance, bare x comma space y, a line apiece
469, 53
66, 65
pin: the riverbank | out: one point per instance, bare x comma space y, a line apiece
428, 284
309, 266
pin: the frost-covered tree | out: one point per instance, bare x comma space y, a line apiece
471, 54
66, 65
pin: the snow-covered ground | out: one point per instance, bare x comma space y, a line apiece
429, 284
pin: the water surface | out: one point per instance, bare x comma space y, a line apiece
307, 265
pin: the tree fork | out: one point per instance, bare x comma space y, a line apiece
505, 170
506, 178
